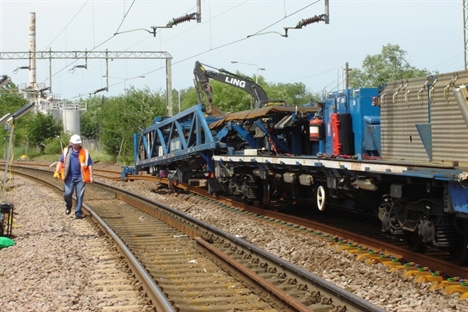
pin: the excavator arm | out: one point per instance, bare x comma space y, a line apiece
202, 81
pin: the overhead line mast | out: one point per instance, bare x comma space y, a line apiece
465, 27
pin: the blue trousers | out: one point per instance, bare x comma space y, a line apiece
74, 183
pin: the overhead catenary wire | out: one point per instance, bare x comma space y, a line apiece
65, 28
197, 54
125, 16
117, 17
232, 42
110, 38
102, 43
285, 17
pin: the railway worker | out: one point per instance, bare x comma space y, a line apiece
75, 168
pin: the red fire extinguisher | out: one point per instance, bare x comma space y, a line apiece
315, 129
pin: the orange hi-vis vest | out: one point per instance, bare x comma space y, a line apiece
83, 157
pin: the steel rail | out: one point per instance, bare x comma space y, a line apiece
196, 228
158, 299
436, 264
425, 260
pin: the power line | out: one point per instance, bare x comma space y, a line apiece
181, 61
102, 43
285, 17
125, 16
235, 41
65, 28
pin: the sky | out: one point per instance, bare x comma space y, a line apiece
249, 32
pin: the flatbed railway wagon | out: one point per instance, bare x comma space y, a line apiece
398, 152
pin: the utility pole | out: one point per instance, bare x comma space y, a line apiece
465, 27
346, 75
169, 86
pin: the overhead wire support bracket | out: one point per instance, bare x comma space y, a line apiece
85, 66
155, 28
302, 23
185, 18
176, 21
173, 22
307, 21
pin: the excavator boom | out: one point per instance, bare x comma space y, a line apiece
202, 81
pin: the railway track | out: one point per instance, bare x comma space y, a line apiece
356, 236
184, 264
117, 288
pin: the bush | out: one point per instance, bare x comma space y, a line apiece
53, 146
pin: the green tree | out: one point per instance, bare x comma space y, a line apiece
125, 115
189, 98
228, 98
10, 102
91, 120
42, 127
292, 93
231, 99
390, 65
10, 99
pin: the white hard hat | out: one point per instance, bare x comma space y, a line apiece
75, 139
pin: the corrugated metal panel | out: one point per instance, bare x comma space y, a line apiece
449, 130
405, 104
400, 111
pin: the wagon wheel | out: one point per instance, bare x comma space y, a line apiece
321, 197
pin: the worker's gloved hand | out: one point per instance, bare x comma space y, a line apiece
57, 175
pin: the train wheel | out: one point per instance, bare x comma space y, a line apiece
415, 242
266, 197
321, 197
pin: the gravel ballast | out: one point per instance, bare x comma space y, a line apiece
54, 265
48, 268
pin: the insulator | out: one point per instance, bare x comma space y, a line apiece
182, 19
310, 20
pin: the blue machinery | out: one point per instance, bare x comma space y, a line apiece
367, 150
181, 137
192, 145
191, 137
